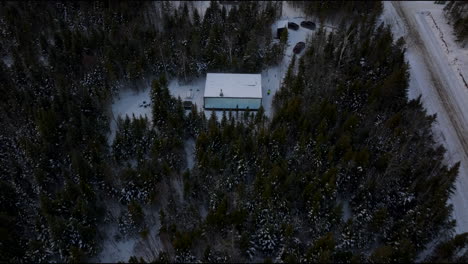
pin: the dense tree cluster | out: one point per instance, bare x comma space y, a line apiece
59, 65
457, 13
346, 169
335, 10
238, 40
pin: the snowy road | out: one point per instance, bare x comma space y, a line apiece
437, 68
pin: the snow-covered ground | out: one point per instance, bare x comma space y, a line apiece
192, 91
289, 11
8, 60
115, 251
115, 248
189, 148
272, 76
439, 68
131, 103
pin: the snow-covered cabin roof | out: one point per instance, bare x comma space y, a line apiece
283, 24
233, 85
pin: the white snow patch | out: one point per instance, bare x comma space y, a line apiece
271, 82
189, 148
130, 103
178, 188
347, 213
8, 61
201, 6
44, 60
192, 91
115, 251
282, 24
290, 11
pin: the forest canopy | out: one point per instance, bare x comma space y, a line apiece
346, 169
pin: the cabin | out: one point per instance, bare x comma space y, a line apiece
232, 91
282, 25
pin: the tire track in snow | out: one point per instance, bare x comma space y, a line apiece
441, 35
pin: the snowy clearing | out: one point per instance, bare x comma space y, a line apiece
271, 77
132, 103
438, 69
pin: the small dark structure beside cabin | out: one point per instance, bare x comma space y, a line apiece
187, 105
282, 26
